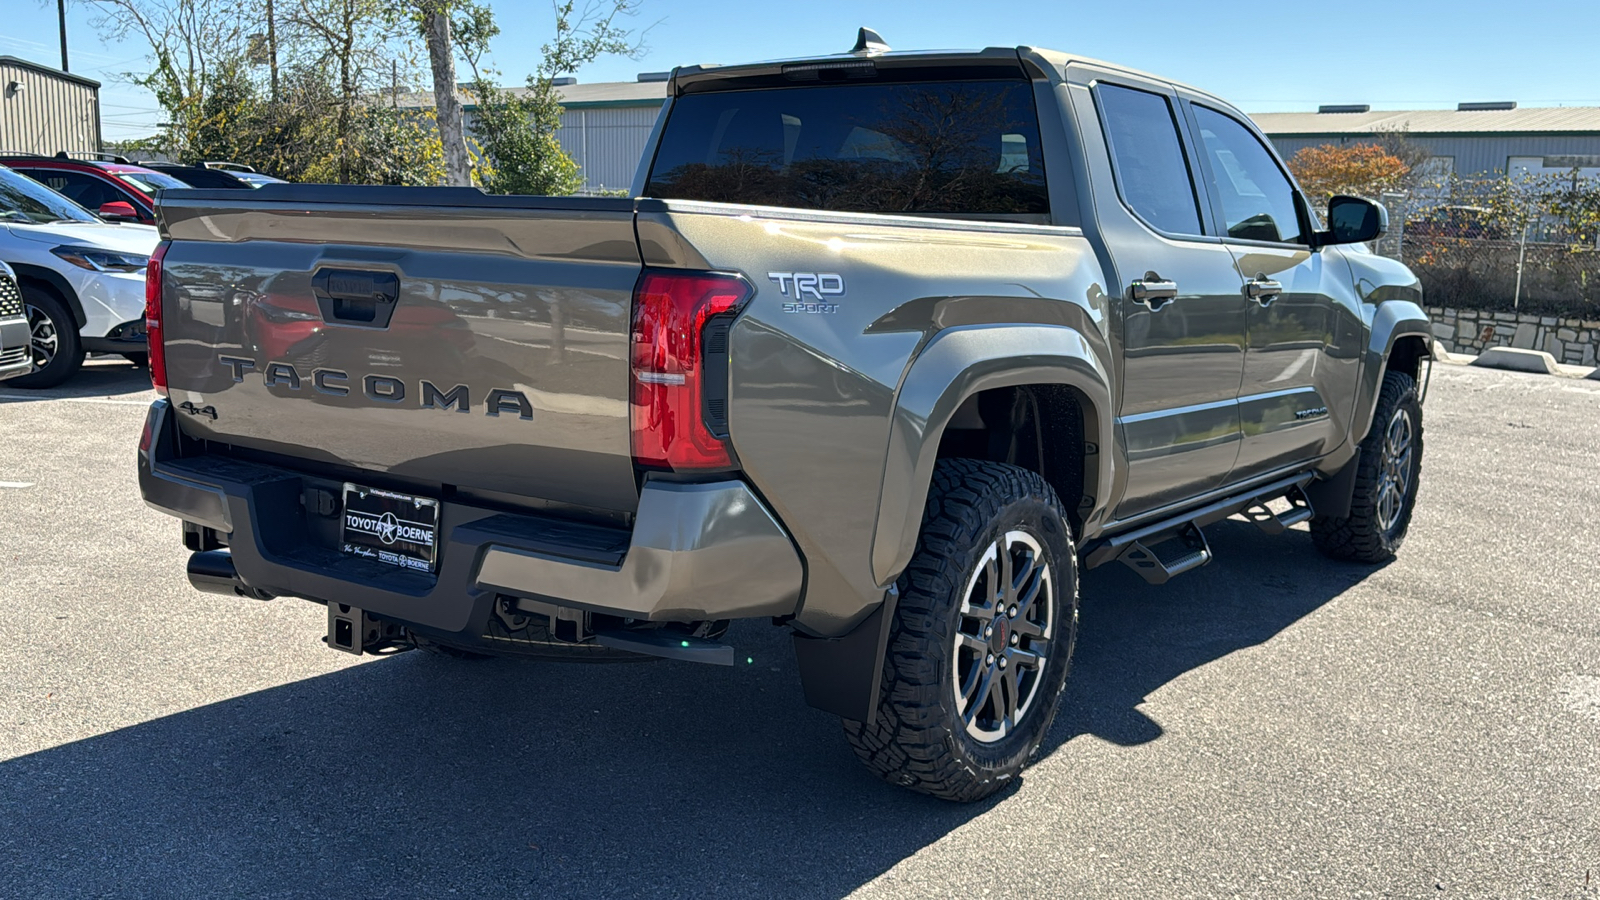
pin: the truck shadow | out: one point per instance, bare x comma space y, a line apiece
1134, 637
420, 776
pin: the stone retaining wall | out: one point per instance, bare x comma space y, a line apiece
1571, 341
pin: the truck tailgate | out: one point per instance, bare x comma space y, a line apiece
432, 335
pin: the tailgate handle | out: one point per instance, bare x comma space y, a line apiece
355, 297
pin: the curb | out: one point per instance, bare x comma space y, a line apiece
1511, 359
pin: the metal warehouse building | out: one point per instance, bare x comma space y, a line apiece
45, 110
1473, 139
604, 126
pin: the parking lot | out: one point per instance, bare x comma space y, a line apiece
1273, 725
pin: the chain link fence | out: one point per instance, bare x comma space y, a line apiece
1500, 246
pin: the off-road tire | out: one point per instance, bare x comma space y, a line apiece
1362, 536
919, 740
68, 357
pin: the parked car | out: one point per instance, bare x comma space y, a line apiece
199, 176
1456, 222
244, 173
16, 356
81, 278
898, 345
113, 188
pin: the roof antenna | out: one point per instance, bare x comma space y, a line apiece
869, 41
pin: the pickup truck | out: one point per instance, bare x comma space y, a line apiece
886, 349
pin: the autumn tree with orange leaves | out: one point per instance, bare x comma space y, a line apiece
1358, 169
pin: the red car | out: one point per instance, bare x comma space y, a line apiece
114, 188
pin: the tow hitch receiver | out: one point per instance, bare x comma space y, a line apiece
353, 631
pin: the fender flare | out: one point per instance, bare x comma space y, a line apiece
1394, 319
956, 364
58, 283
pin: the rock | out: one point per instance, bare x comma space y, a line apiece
1526, 334
1552, 346
1547, 320
1466, 331
1588, 356
1443, 330
1566, 334
1517, 360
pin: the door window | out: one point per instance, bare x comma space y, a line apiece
85, 190
1148, 158
1257, 198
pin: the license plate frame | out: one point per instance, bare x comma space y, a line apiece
401, 530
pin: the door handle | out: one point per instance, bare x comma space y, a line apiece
1262, 289
1153, 291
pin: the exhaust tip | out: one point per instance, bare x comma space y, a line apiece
212, 571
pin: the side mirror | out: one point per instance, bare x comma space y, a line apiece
1352, 220
118, 209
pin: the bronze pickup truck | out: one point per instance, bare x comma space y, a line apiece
886, 348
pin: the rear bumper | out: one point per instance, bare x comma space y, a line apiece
695, 552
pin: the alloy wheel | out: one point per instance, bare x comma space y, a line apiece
1394, 482
43, 337
1003, 640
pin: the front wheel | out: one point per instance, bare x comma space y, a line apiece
1387, 472
982, 638
53, 333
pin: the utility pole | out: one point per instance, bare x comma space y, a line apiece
272, 47
61, 13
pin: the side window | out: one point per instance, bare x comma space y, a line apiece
1257, 198
84, 190
1148, 158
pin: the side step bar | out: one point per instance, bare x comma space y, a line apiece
1138, 549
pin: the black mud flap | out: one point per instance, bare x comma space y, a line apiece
841, 675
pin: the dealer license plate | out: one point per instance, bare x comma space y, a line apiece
392, 528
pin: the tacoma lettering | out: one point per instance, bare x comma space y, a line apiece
384, 389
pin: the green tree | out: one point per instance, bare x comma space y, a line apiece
515, 130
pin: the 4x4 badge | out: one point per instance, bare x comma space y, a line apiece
209, 412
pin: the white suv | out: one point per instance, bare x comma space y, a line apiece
81, 278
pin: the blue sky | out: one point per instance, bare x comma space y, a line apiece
1263, 56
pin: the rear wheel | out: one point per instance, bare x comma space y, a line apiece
1386, 481
982, 637
57, 351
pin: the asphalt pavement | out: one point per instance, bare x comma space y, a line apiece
1272, 725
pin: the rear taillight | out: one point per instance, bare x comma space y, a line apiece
152, 318
669, 396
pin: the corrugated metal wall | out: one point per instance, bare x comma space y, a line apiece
44, 113
607, 143
1472, 154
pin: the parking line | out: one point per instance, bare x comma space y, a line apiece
16, 484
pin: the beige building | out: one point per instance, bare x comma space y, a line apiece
46, 111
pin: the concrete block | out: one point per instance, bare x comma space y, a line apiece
1466, 330
1589, 324
1566, 334
1551, 345
1525, 336
1588, 355
1517, 360
1505, 317
1547, 320
1443, 330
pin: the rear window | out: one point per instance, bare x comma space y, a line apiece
950, 148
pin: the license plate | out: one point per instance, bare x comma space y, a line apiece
392, 528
